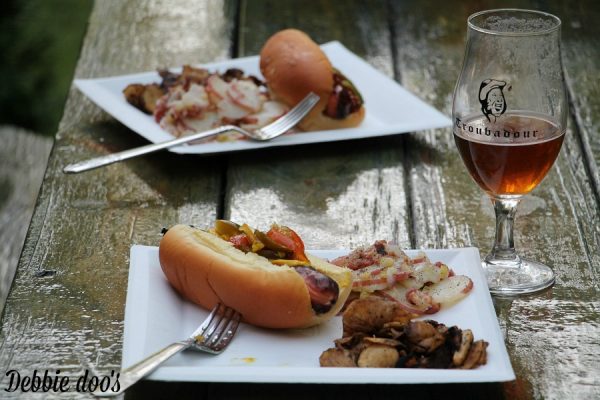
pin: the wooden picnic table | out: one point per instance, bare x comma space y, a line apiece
66, 306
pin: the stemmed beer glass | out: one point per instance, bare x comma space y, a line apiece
510, 113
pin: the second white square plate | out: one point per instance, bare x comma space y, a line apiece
390, 109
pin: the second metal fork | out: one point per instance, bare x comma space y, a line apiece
271, 131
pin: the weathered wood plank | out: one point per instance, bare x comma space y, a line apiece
71, 318
23, 158
552, 225
582, 63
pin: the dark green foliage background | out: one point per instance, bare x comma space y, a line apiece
40, 42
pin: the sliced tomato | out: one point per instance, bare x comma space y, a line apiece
290, 239
280, 238
241, 242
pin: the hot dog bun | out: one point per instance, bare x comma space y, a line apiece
293, 65
206, 269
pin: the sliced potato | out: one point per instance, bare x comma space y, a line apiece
450, 290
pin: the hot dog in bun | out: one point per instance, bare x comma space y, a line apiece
267, 277
293, 65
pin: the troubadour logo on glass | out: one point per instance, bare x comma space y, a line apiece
493, 105
491, 97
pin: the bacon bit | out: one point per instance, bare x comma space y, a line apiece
469, 287
358, 284
161, 110
401, 276
248, 120
423, 301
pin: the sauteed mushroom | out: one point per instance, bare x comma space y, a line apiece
376, 335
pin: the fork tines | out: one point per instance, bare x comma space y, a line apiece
218, 329
293, 116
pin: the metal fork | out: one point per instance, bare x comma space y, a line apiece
268, 132
212, 336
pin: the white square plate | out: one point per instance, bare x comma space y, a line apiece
155, 315
391, 109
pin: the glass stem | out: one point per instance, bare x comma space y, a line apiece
504, 244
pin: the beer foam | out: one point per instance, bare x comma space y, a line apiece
517, 25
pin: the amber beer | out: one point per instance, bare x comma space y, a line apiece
509, 156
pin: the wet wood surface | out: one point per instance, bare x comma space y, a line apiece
65, 310
23, 158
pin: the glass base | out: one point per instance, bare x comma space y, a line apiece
523, 277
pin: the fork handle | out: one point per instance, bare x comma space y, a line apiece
150, 148
131, 375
